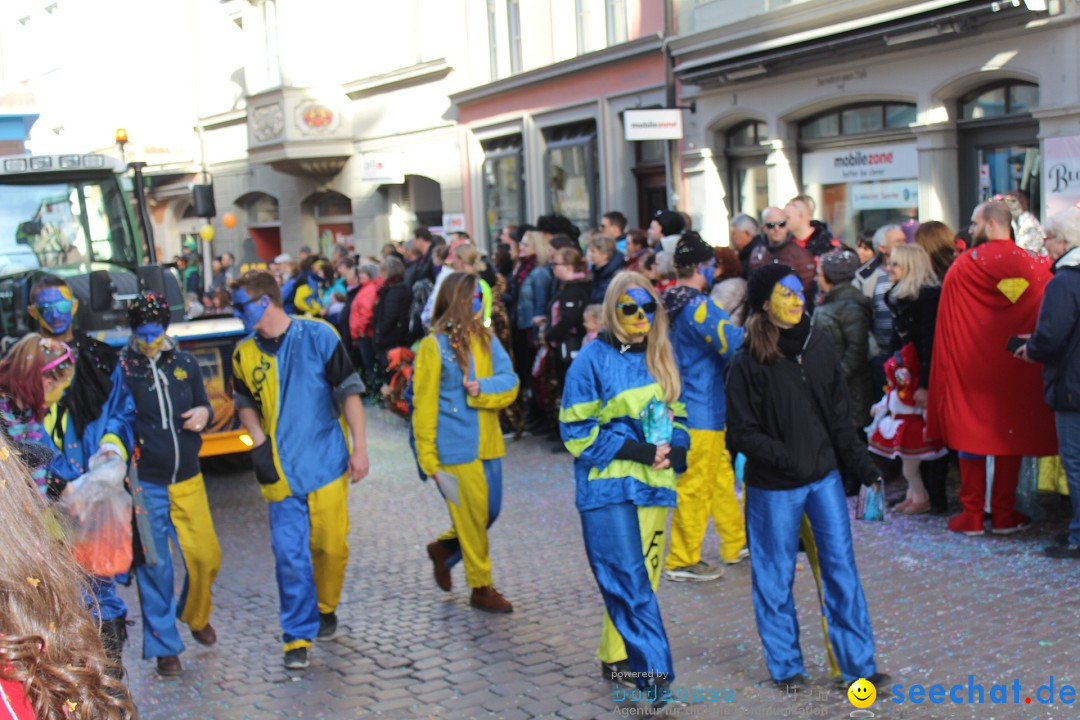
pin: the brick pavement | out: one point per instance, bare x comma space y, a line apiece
942, 607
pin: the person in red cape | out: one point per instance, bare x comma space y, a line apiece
984, 401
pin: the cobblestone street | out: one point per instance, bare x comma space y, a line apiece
943, 606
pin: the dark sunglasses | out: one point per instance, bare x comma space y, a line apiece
629, 309
770, 226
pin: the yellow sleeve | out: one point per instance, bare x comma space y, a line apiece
427, 373
110, 438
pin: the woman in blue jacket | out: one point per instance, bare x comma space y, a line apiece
622, 421
462, 378
171, 410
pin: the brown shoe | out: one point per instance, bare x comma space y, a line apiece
439, 554
488, 599
169, 666
206, 636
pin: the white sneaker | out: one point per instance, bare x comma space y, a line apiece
743, 554
698, 572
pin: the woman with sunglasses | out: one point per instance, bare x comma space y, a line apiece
622, 420
788, 413
33, 377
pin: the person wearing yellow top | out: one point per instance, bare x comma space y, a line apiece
462, 378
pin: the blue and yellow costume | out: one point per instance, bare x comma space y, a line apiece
166, 383
300, 294
458, 434
298, 383
623, 501
705, 339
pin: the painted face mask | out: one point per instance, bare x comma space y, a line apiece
55, 309
786, 301
55, 394
149, 338
248, 310
709, 271
59, 359
636, 312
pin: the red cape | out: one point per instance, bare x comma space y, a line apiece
982, 399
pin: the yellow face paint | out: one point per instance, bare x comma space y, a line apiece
53, 394
786, 301
635, 312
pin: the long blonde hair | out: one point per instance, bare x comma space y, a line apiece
540, 246
918, 271
659, 356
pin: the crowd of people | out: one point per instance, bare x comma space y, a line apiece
672, 371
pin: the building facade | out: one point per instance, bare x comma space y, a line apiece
881, 111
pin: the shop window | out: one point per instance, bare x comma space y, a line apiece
650, 172
493, 40
513, 16
334, 222
999, 100
263, 225
573, 172
857, 120
748, 182
504, 184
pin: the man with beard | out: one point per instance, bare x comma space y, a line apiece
984, 401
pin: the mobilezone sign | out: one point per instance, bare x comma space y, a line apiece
653, 124
876, 162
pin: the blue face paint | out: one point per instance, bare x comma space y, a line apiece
248, 310
477, 300
709, 271
55, 309
793, 284
642, 297
149, 332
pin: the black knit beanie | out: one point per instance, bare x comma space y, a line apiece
762, 281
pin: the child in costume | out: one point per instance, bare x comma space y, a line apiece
461, 379
627, 451
788, 413
171, 410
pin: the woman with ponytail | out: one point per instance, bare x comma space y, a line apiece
622, 421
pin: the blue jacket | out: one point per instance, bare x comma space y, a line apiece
607, 390
164, 388
602, 276
704, 339
449, 426
534, 296
1056, 340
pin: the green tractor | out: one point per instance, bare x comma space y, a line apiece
70, 215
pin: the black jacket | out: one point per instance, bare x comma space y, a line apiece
567, 334
747, 253
914, 321
821, 240
1056, 340
392, 317
164, 388
792, 420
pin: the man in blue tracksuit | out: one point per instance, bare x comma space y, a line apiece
171, 410
704, 338
96, 415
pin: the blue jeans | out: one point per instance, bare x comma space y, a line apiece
773, 520
1068, 430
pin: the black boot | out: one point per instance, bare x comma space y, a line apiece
935, 473
113, 637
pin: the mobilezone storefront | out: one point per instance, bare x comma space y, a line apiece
863, 188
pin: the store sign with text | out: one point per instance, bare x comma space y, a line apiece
653, 124
849, 165
885, 195
387, 167
1061, 173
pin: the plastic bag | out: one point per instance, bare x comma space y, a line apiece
98, 510
657, 423
871, 505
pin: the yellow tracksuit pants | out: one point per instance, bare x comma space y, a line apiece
329, 510
479, 497
707, 488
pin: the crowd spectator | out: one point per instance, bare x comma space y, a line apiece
939, 241
566, 329
780, 247
873, 280
637, 245
391, 317
900, 429
605, 261
217, 274
422, 268
1056, 344
362, 319
844, 315
745, 238
665, 229
613, 224
556, 224
535, 285
806, 232
729, 287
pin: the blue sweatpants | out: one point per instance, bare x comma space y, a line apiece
104, 603
773, 519
618, 552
